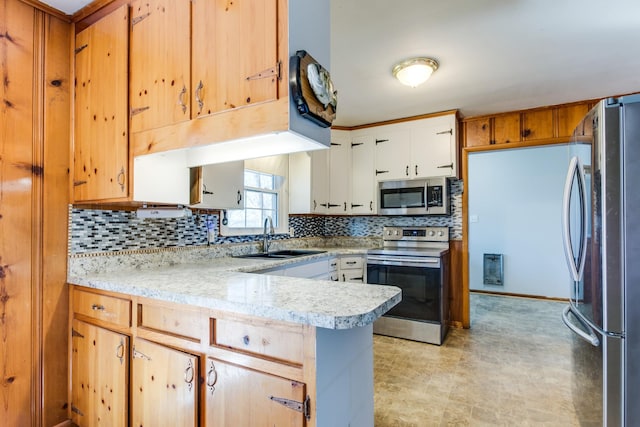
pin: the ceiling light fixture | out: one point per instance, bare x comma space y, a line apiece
415, 71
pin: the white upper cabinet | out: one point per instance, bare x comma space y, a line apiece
308, 182
339, 173
363, 184
218, 186
392, 156
433, 147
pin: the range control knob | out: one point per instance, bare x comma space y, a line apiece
441, 233
397, 232
432, 233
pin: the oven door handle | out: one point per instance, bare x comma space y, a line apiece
404, 261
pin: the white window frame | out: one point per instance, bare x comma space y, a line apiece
282, 209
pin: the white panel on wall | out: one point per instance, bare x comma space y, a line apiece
515, 199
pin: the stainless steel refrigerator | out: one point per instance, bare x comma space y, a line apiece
601, 236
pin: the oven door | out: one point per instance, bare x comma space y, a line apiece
420, 279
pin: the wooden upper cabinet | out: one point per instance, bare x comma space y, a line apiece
537, 124
235, 57
101, 141
506, 128
160, 84
569, 117
477, 132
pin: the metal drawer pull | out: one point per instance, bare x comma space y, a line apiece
120, 351
199, 96
212, 377
181, 95
350, 262
97, 307
189, 375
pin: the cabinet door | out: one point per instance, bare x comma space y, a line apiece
99, 372
340, 173
165, 386
537, 124
363, 183
319, 181
160, 63
392, 154
506, 128
239, 397
101, 141
235, 57
222, 186
569, 117
477, 132
433, 147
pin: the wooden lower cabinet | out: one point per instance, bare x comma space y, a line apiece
164, 386
237, 396
99, 376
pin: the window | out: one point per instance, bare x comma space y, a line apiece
261, 191
265, 194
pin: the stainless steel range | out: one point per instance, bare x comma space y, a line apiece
416, 259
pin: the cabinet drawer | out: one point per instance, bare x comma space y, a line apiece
102, 307
356, 276
351, 262
277, 341
174, 321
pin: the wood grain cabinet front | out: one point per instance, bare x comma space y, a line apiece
191, 59
101, 137
99, 376
236, 396
165, 386
116, 311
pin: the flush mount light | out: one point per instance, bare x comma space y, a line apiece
415, 71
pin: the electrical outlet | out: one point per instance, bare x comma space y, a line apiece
292, 231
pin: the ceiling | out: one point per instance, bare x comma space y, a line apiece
494, 55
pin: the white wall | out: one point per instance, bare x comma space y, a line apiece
516, 197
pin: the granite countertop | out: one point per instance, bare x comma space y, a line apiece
226, 283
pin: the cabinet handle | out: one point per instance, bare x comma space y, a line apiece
315, 205
212, 377
371, 206
121, 178
355, 206
416, 170
239, 197
189, 375
450, 132
97, 307
407, 171
120, 351
344, 278
378, 141
181, 95
450, 165
246, 340
345, 206
198, 96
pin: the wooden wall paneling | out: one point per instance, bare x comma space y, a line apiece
567, 118
17, 282
56, 143
537, 124
457, 294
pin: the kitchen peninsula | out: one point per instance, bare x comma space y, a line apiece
214, 342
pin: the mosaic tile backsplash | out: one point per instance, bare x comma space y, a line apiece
94, 231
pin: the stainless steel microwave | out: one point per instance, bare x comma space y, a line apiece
429, 196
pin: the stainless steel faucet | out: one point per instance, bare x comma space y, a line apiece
268, 234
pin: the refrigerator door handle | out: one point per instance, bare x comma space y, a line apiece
575, 170
590, 336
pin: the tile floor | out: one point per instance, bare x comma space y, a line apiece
512, 368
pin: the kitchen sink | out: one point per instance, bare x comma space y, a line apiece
286, 253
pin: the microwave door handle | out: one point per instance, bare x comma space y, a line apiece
590, 336
566, 216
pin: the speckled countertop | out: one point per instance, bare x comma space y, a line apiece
227, 283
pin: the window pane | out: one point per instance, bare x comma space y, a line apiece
254, 218
236, 218
273, 214
269, 201
251, 179
266, 181
253, 199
